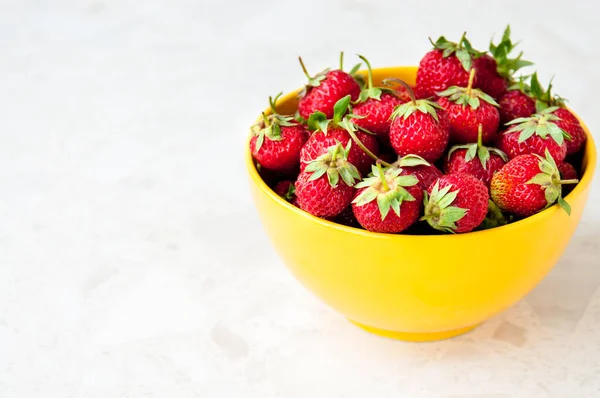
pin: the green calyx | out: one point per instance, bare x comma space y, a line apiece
544, 98
422, 105
463, 50
549, 180
438, 212
335, 164
388, 188
313, 81
478, 149
411, 161
291, 192
541, 124
507, 66
369, 91
494, 218
270, 126
467, 95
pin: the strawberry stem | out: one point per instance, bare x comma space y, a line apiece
273, 103
470, 85
382, 177
408, 88
370, 72
366, 150
573, 181
265, 119
480, 136
304, 68
341, 60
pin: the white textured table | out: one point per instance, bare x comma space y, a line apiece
132, 263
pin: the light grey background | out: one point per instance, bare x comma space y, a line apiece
132, 263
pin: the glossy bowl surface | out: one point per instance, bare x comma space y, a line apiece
417, 288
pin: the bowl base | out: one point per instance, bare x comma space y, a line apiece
415, 337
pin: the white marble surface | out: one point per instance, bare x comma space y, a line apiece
132, 263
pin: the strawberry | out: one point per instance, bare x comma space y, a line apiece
566, 120
328, 132
325, 89
375, 106
475, 159
419, 127
383, 192
447, 65
515, 104
528, 184
535, 134
277, 141
456, 203
415, 165
567, 172
318, 188
286, 190
495, 72
467, 109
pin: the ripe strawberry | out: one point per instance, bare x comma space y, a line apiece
319, 189
467, 109
286, 190
374, 108
528, 184
415, 165
384, 191
339, 129
448, 64
325, 89
277, 141
515, 104
475, 159
567, 172
566, 120
495, 72
419, 127
534, 135
469, 199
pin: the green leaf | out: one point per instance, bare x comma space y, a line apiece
406, 180
355, 68
383, 202
447, 199
317, 174
367, 196
526, 133
259, 141
316, 120
471, 153
542, 130
565, 206
541, 179
396, 206
552, 193
474, 102
333, 177
465, 58
536, 87
556, 133
484, 155
411, 161
488, 99
340, 108
346, 176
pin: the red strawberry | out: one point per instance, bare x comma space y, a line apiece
534, 135
495, 72
528, 184
375, 107
415, 165
277, 141
325, 89
456, 203
319, 189
475, 159
419, 127
286, 190
515, 104
383, 192
339, 129
567, 172
447, 65
467, 109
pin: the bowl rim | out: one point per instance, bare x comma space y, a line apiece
584, 182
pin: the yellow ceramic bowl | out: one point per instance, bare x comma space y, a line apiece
417, 288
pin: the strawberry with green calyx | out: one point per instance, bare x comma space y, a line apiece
419, 127
566, 119
535, 134
328, 132
495, 72
415, 165
388, 202
277, 141
325, 187
516, 103
456, 203
528, 184
326, 88
375, 106
286, 190
475, 159
447, 65
467, 109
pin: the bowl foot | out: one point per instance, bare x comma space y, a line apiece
415, 337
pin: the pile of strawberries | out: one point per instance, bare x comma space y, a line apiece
469, 147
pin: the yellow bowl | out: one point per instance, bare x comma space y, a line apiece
417, 288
